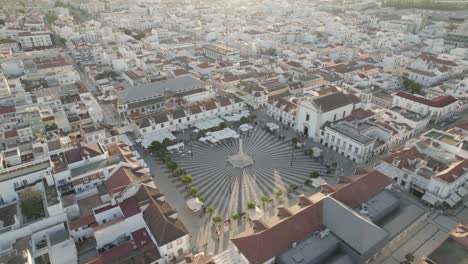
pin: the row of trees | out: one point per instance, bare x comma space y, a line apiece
158, 149
250, 205
248, 119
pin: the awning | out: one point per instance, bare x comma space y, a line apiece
462, 191
178, 146
429, 198
272, 126
317, 152
317, 182
453, 199
195, 204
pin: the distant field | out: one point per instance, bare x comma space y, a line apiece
428, 4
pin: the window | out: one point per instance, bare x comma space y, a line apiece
334, 117
169, 246
307, 117
344, 113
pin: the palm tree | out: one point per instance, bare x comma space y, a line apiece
251, 205
235, 217
201, 198
292, 187
265, 199
217, 219
179, 171
314, 174
210, 209
187, 180
278, 195
171, 165
193, 191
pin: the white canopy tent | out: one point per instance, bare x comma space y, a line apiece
208, 123
255, 214
317, 182
177, 146
317, 152
195, 204
429, 198
272, 126
236, 116
216, 136
156, 136
245, 127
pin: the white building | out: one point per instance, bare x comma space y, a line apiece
345, 139
438, 108
283, 111
313, 113
34, 40
427, 175
187, 116
218, 52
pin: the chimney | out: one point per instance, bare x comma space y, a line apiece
326, 189
284, 212
160, 197
304, 201
171, 214
259, 225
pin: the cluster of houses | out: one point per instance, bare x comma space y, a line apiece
80, 81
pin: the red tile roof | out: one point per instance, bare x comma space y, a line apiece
7, 110
110, 255
404, 156
129, 207
362, 188
10, 134
439, 102
179, 72
83, 221
117, 181
141, 237
430, 58
262, 245
454, 171
359, 114
463, 126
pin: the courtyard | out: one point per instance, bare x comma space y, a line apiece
234, 172
261, 168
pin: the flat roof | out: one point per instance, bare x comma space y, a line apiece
310, 250
450, 252
350, 132
96, 165
23, 170
156, 89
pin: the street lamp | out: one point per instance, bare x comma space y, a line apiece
292, 156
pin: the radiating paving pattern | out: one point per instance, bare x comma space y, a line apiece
229, 189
